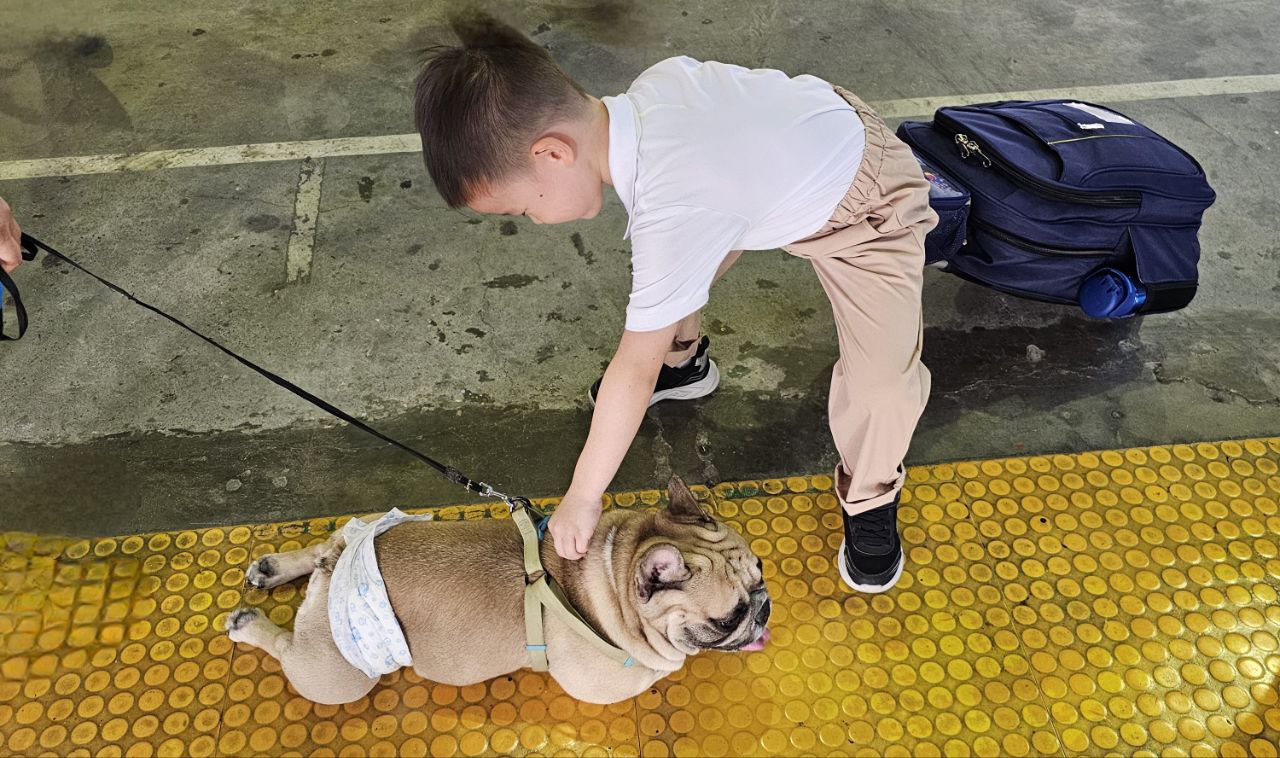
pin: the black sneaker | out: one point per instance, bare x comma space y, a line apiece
698, 379
871, 554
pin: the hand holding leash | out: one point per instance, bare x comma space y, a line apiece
10, 239
15, 247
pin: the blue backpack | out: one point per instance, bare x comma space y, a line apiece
1067, 202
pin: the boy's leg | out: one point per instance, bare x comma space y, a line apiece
869, 259
879, 387
688, 372
685, 345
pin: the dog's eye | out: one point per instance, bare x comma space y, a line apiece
759, 565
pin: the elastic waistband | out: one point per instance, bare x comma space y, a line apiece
876, 137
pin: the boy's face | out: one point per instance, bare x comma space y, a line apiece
558, 187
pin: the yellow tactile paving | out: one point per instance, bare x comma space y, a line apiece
1114, 602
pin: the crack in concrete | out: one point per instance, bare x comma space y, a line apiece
1158, 372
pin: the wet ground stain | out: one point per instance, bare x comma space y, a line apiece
262, 222
581, 247
72, 92
158, 481
512, 281
716, 326
1044, 367
613, 22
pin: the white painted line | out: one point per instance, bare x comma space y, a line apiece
192, 157
409, 143
306, 209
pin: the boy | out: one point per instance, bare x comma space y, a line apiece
709, 160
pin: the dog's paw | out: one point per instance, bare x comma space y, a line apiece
329, 557
238, 620
260, 573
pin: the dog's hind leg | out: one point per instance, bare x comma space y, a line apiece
275, 569
308, 655
250, 626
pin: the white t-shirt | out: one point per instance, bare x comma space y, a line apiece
709, 158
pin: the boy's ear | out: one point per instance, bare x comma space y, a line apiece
556, 146
683, 507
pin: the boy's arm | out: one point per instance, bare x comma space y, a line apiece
620, 407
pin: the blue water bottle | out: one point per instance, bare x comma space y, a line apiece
1111, 293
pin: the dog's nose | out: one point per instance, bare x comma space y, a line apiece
762, 615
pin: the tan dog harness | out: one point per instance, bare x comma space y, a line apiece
542, 592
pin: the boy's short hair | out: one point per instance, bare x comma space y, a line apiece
480, 106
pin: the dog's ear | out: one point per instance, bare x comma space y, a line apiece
684, 508
661, 568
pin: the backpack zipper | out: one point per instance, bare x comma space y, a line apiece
1034, 247
970, 147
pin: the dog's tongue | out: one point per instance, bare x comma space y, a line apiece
759, 643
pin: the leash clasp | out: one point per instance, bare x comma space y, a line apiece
513, 503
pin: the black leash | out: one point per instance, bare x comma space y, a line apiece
7, 285
31, 244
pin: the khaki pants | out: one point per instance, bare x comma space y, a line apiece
870, 258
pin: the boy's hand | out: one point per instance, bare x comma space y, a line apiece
10, 237
572, 525
624, 395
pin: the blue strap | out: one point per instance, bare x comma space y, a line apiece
541, 647
540, 524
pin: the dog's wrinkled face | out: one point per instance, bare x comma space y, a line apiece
698, 583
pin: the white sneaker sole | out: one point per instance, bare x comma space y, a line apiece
701, 388
868, 588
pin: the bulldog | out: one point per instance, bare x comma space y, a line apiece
661, 585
